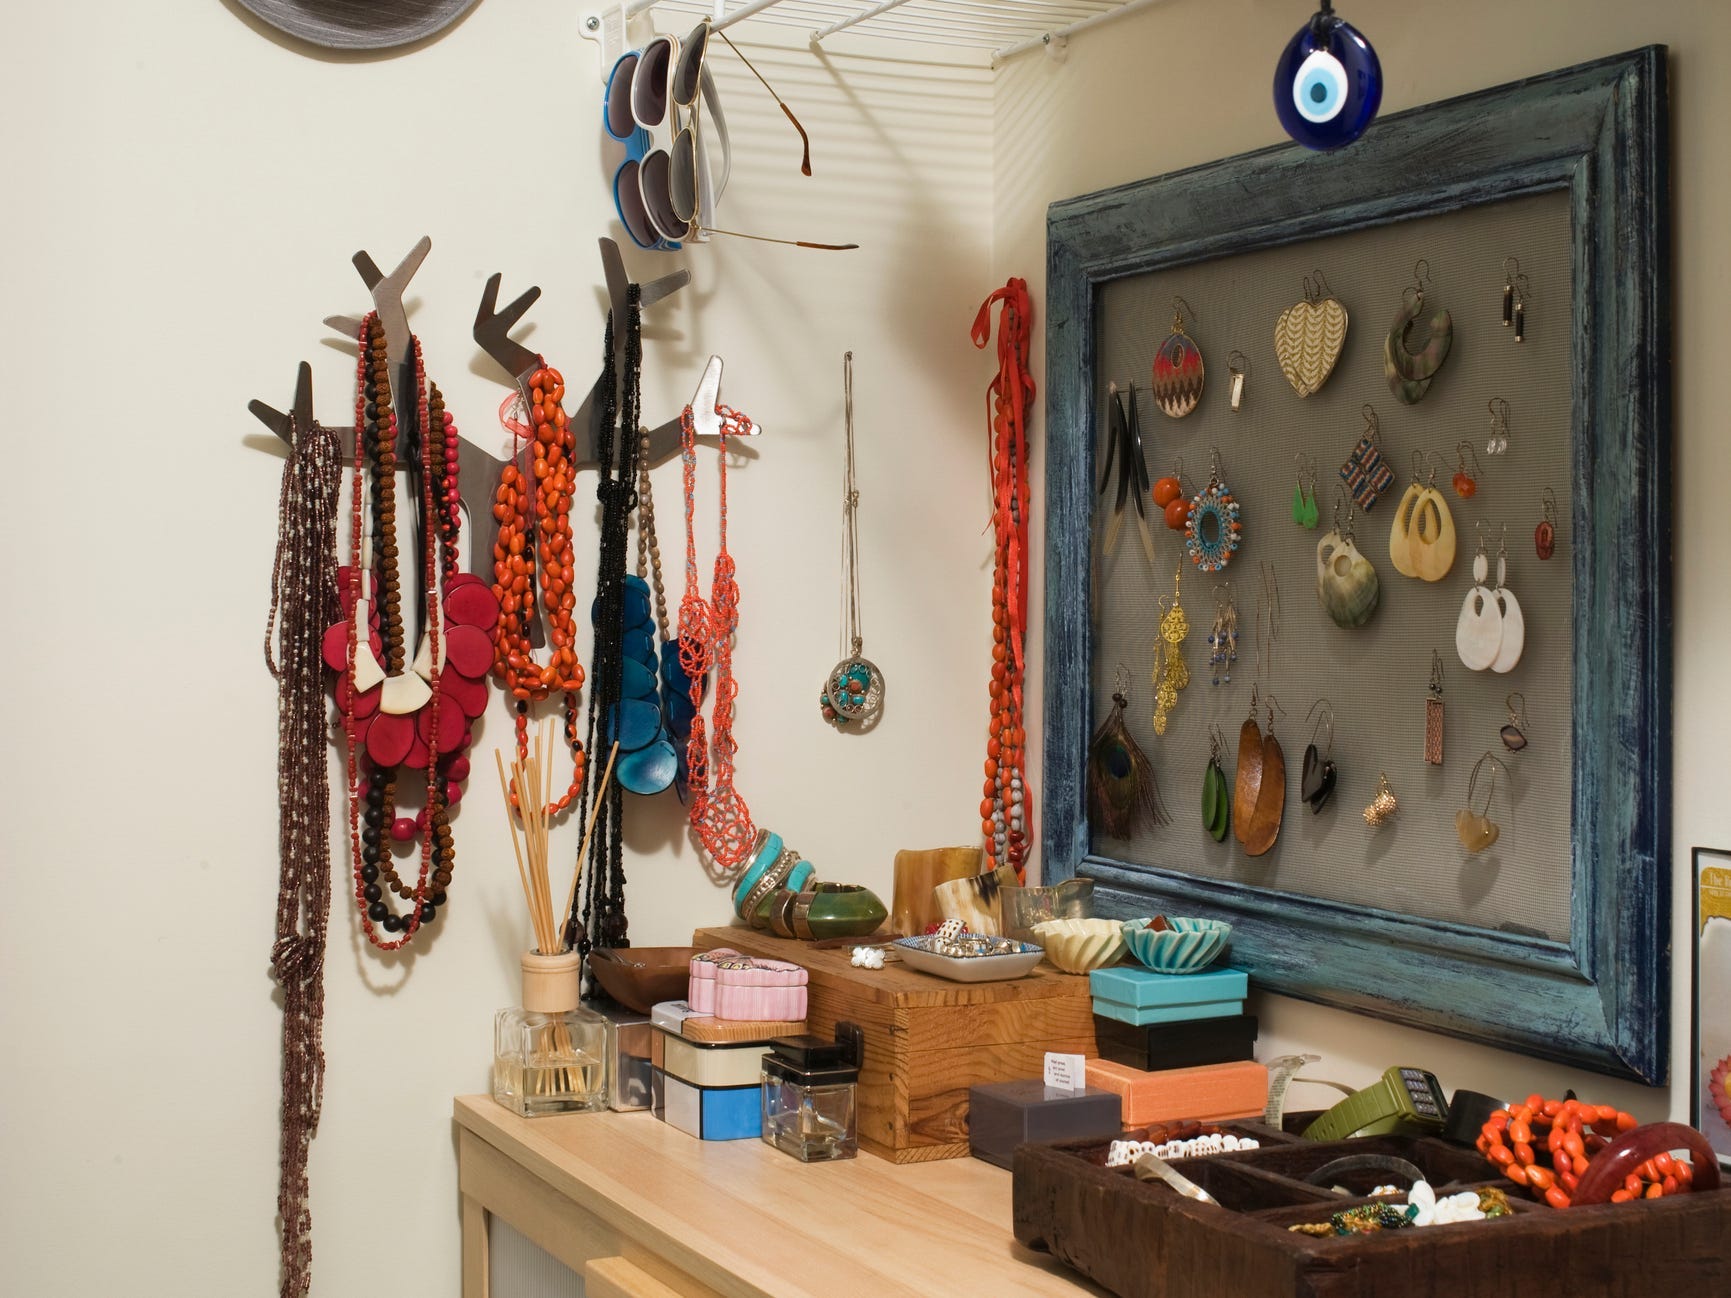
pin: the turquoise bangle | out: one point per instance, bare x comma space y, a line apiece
766, 854
801, 877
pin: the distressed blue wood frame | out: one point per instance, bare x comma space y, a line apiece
1600, 131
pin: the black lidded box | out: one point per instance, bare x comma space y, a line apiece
1177, 1045
1002, 1115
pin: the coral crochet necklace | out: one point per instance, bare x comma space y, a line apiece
719, 816
1006, 804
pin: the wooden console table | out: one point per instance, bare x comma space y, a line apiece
641, 1210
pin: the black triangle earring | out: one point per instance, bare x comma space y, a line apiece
1320, 775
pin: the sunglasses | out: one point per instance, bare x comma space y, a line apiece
662, 194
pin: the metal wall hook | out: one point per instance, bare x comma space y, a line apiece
300, 414
387, 295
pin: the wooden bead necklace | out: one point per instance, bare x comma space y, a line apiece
381, 732
719, 816
1006, 804
532, 571
1569, 1135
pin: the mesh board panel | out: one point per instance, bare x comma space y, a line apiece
1375, 676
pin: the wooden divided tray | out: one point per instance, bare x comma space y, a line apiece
1142, 1240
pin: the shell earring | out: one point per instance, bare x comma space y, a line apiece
1514, 734
1409, 373
1479, 629
1514, 622
1178, 369
1318, 780
1476, 830
1346, 582
1499, 438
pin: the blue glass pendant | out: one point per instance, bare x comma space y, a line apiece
1328, 83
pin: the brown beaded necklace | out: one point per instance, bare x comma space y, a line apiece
303, 590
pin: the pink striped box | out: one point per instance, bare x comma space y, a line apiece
700, 993
759, 990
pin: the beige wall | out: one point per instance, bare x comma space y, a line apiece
183, 196
1189, 81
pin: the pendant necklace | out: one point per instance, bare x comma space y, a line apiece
853, 693
718, 815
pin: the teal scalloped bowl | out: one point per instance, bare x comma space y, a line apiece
1189, 946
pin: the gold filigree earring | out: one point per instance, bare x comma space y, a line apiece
1170, 672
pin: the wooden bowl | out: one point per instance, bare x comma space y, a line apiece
641, 977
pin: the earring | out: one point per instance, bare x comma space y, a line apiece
1511, 268
1476, 829
1317, 782
1178, 369
1433, 713
1409, 374
1211, 531
1499, 439
1122, 789
1238, 366
1466, 484
1169, 498
1383, 806
1514, 735
1309, 335
1521, 288
1479, 629
1258, 827
1421, 543
1216, 801
1304, 511
1346, 583
1223, 638
1366, 474
1545, 534
1514, 622
1170, 672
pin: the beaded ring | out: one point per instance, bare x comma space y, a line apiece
1212, 553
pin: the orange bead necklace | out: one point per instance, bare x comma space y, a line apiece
1006, 803
1567, 1135
532, 570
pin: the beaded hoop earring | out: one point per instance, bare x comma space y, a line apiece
1212, 551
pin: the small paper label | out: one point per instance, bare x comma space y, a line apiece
1066, 1072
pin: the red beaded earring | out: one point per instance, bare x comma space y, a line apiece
1545, 534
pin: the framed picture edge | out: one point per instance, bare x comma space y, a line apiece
1696, 1099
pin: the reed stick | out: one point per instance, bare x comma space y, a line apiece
589, 829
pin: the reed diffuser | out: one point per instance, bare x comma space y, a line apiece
550, 1055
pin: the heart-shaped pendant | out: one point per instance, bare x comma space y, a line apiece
1317, 784
1308, 338
1475, 831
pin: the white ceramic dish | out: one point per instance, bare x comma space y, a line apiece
917, 953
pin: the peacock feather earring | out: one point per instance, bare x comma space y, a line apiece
1316, 785
1170, 672
1216, 791
1122, 788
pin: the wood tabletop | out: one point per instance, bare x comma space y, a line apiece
747, 1220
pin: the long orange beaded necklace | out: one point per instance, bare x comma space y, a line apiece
1571, 1135
1007, 804
532, 565
718, 815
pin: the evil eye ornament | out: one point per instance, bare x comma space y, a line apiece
1327, 84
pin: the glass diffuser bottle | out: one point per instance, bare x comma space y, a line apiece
808, 1095
550, 1054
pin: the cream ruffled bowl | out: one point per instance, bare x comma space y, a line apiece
1079, 946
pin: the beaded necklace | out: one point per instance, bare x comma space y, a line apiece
303, 589
532, 566
719, 816
420, 717
1006, 805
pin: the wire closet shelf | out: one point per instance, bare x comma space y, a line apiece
1006, 28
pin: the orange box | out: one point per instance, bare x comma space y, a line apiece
1208, 1093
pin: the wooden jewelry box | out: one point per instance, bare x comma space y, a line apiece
1143, 1240
928, 1040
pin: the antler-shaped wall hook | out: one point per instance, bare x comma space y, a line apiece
387, 291
301, 412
